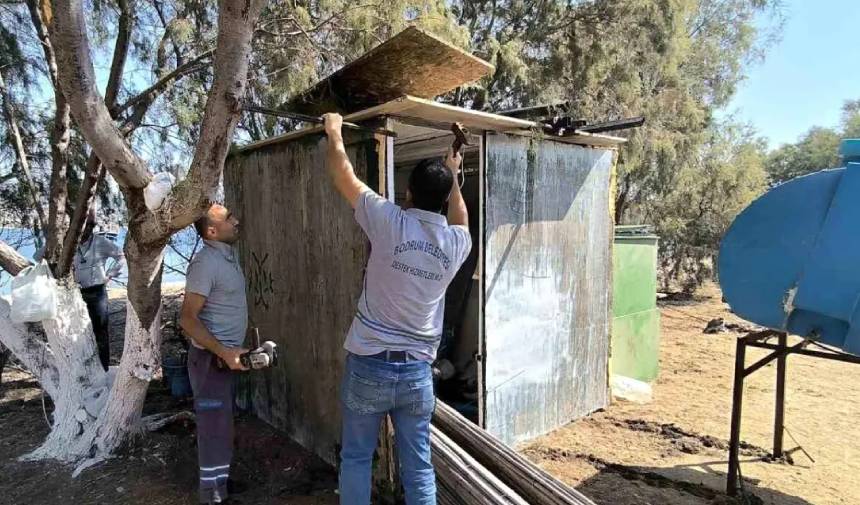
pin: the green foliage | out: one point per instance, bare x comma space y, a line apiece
851, 119
693, 215
817, 149
673, 61
299, 45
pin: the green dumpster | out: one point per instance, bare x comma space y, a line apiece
635, 350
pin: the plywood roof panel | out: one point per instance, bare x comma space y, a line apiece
412, 62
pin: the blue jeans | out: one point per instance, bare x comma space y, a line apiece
371, 389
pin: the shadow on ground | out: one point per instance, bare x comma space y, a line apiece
159, 469
678, 485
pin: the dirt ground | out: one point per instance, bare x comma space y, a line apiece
673, 450
160, 469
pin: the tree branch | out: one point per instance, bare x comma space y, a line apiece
21, 155
77, 80
42, 32
60, 136
11, 260
159, 9
223, 108
33, 352
120, 53
141, 102
94, 171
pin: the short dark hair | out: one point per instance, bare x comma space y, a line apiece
430, 184
201, 224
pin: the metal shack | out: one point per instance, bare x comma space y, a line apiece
530, 309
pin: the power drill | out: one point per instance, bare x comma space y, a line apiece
264, 356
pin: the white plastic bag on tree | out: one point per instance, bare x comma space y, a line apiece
34, 295
158, 189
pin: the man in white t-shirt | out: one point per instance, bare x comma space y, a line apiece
415, 253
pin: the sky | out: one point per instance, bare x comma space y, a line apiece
807, 75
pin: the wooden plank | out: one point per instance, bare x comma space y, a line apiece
547, 282
410, 109
428, 110
385, 475
303, 256
413, 62
394, 106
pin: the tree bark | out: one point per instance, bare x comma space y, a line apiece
120, 53
78, 82
82, 386
31, 351
94, 171
55, 231
11, 260
223, 108
102, 427
141, 356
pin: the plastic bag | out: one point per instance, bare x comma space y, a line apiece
34, 295
157, 190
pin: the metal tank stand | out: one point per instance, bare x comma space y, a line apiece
780, 351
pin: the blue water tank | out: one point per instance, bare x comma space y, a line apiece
791, 260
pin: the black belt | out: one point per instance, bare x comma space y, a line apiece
93, 289
393, 356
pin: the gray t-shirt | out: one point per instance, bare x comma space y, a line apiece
91, 257
414, 256
215, 273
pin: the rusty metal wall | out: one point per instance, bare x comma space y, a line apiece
303, 256
548, 268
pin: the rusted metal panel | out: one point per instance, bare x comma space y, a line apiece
547, 284
303, 257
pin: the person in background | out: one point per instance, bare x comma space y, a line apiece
93, 275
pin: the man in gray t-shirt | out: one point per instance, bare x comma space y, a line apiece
215, 316
415, 253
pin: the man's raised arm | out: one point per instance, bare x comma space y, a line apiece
339, 167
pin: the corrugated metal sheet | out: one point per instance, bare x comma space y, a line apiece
547, 286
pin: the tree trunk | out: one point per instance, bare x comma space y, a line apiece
141, 354
82, 384
4, 358
96, 412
